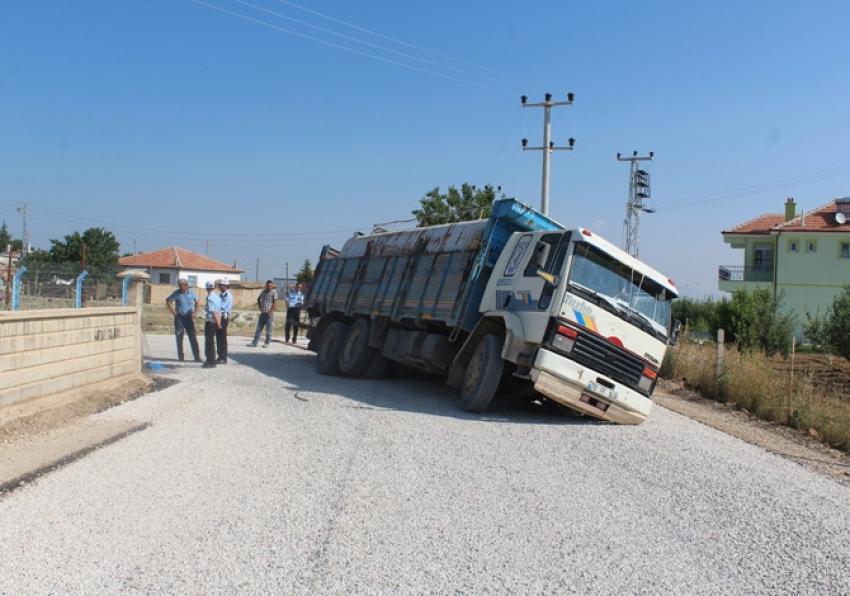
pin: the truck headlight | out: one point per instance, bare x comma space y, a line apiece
564, 338
647, 379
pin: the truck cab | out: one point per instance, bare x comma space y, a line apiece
587, 323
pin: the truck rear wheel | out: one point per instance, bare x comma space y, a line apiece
356, 355
483, 374
327, 358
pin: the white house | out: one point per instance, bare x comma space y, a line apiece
167, 265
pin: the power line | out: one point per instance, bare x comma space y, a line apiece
369, 43
348, 49
393, 39
754, 189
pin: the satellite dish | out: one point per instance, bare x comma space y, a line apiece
840, 219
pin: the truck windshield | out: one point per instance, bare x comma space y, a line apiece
637, 298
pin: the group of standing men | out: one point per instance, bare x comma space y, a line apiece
184, 305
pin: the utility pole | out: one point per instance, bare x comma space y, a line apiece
207, 248
287, 276
548, 146
26, 237
257, 270
638, 191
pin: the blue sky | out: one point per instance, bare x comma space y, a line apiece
173, 123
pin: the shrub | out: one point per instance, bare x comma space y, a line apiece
833, 329
757, 323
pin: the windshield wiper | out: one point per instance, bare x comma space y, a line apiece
600, 299
644, 321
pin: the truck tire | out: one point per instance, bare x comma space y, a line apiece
327, 358
355, 354
483, 374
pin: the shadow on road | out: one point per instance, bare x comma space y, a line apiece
422, 395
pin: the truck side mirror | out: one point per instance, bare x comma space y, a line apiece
547, 277
674, 333
541, 253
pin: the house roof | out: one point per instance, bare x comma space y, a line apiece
821, 219
177, 258
762, 224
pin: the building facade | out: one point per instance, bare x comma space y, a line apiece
167, 265
804, 258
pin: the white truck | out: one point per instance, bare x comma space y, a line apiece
515, 294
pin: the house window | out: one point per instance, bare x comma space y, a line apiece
811, 246
845, 250
793, 246
165, 278
193, 281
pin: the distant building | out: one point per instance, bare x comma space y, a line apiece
167, 265
806, 257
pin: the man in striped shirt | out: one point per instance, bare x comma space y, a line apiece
266, 302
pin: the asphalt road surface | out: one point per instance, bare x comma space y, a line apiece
263, 476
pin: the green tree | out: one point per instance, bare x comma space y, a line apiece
36, 259
306, 273
6, 239
101, 249
758, 323
832, 330
454, 205
5, 236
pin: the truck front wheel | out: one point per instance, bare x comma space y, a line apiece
327, 359
483, 374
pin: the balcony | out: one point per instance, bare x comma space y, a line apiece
733, 277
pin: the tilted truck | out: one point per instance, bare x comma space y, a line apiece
515, 294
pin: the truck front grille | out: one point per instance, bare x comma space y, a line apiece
605, 358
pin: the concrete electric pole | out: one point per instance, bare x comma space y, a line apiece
638, 191
548, 146
25, 239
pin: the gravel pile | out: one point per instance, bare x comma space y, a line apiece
263, 476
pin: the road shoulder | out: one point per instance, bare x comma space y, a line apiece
790, 443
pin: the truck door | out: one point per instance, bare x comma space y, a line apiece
522, 290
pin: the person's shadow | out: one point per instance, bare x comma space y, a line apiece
403, 390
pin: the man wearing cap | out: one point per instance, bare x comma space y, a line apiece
212, 324
183, 305
226, 298
266, 302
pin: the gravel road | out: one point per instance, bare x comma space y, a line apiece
263, 476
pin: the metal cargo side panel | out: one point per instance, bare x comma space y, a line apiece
418, 286
347, 271
322, 290
367, 289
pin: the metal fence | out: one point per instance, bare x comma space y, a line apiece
62, 286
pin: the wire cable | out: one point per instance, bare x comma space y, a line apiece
394, 39
369, 43
348, 49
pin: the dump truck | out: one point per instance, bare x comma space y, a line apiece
514, 296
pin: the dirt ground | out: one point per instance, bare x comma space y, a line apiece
803, 447
44, 422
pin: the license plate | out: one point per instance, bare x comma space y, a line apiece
602, 390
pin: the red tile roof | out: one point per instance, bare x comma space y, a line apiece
176, 258
758, 225
821, 219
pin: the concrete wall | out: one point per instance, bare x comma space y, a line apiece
60, 354
243, 298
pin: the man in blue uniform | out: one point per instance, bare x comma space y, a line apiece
183, 305
226, 297
294, 302
212, 324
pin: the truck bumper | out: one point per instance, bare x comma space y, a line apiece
566, 382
